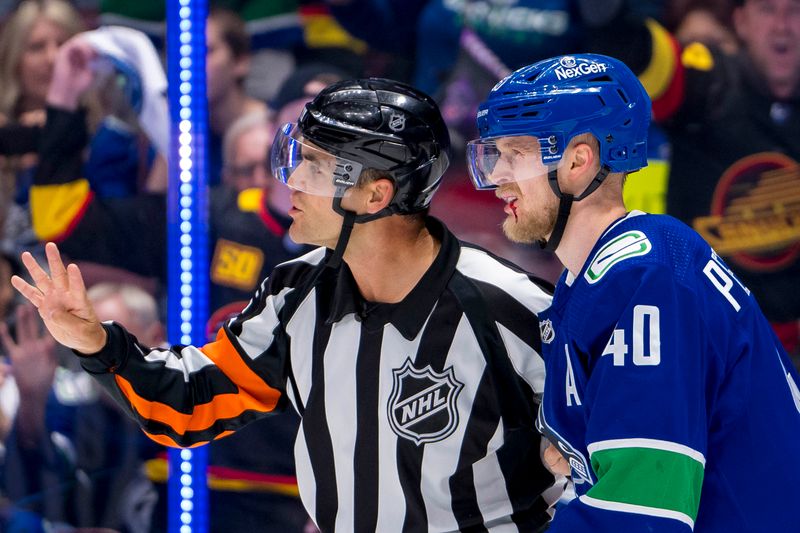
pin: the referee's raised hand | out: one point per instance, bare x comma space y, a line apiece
62, 302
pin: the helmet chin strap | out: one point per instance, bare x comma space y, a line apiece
565, 205
350, 220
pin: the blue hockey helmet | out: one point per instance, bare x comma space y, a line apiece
559, 98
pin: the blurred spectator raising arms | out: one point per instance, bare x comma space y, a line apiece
74, 458
29, 40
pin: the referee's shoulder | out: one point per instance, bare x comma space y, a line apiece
483, 266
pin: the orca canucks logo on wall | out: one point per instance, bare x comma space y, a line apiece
422, 405
754, 217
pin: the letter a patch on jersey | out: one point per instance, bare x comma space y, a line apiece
629, 244
422, 403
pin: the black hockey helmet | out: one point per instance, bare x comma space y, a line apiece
374, 124
366, 124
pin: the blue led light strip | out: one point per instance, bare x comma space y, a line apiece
187, 236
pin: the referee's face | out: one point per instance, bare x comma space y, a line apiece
313, 219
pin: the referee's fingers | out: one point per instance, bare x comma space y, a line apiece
30, 292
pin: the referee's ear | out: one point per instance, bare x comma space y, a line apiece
380, 194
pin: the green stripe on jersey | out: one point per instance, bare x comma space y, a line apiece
648, 477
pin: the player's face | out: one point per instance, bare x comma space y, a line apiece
521, 181
770, 30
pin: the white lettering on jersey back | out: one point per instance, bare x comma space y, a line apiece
722, 279
571, 389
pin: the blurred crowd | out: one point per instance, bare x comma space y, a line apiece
83, 163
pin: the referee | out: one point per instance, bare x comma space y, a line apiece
412, 358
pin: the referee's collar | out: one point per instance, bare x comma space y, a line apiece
409, 315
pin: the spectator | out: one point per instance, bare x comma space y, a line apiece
29, 40
9, 395
706, 21
734, 125
227, 66
274, 30
127, 152
430, 31
303, 84
28, 45
74, 458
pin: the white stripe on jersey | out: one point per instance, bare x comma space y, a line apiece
340, 410
530, 368
492, 496
391, 504
502, 525
479, 265
191, 360
637, 509
306, 482
300, 329
257, 332
439, 461
655, 444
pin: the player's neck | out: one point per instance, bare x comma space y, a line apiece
388, 259
585, 226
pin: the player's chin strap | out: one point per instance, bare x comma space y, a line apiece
350, 220
565, 205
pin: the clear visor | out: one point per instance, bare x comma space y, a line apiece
306, 168
492, 162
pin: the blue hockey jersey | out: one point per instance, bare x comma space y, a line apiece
667, 391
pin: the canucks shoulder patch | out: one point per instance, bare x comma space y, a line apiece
629, 244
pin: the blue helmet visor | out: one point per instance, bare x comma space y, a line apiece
492, 162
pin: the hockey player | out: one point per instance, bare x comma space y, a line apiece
407, 353
667, 392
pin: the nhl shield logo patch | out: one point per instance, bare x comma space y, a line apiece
546, 331
397, 122
422, 405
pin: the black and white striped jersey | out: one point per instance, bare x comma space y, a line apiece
416, 416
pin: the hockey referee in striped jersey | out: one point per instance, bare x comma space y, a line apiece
412, 358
